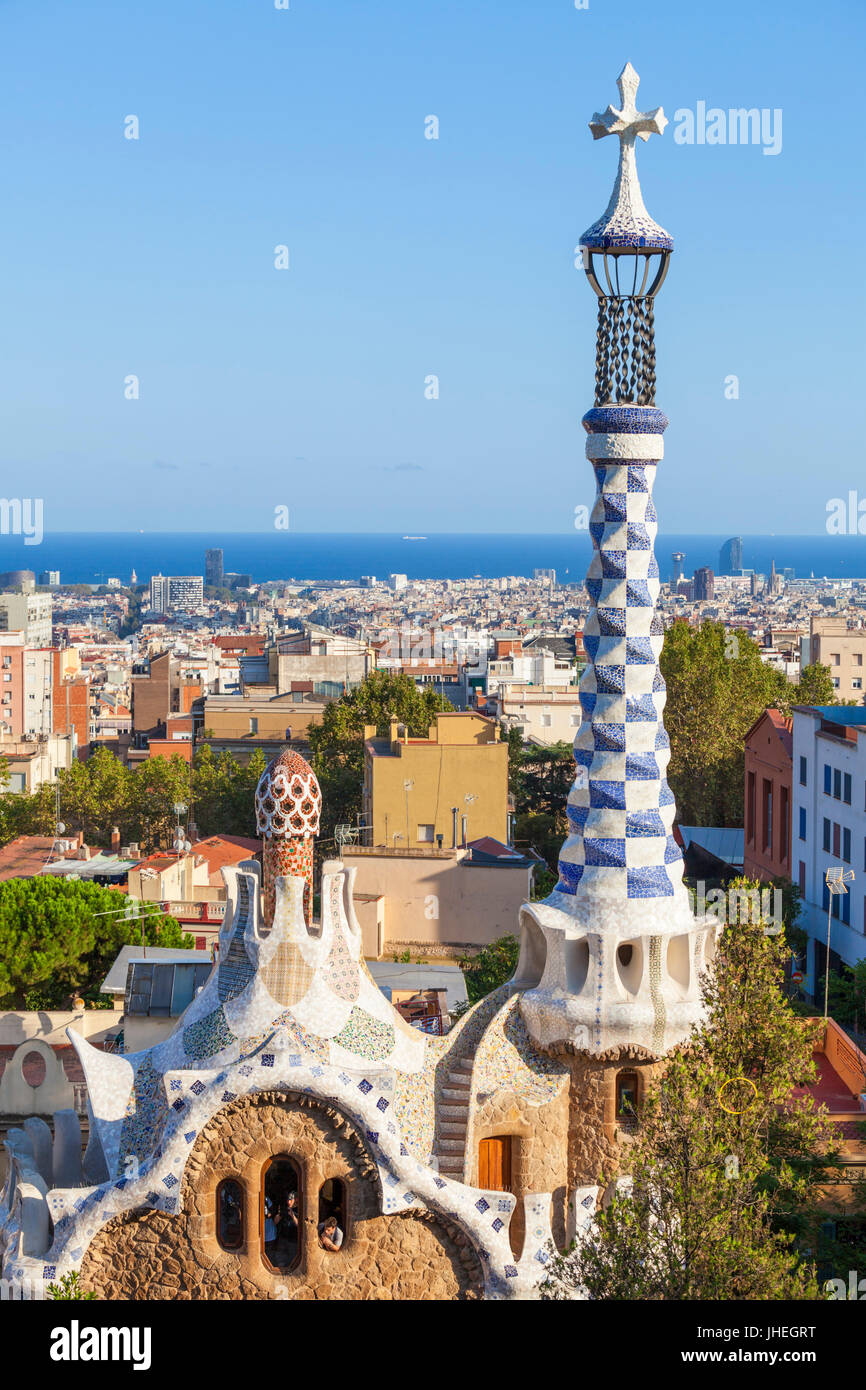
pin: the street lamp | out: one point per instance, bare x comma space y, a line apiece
835, 878
407, 787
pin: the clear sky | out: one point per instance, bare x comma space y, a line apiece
410, 257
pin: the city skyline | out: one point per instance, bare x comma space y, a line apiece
409, 258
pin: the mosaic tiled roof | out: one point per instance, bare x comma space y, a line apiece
288, 798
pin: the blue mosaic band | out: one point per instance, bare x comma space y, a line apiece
620, 808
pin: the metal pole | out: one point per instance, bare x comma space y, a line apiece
827, 961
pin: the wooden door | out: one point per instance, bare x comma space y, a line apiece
494, 1163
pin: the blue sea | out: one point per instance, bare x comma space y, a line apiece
91, 558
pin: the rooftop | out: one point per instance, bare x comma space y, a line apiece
115, 980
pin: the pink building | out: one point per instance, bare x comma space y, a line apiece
769, 780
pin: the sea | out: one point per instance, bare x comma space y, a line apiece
94, 557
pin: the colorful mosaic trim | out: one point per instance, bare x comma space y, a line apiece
366, 1036
236, 969
146, 1114
208, 1036
507, 1061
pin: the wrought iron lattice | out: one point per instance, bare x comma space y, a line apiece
625, 352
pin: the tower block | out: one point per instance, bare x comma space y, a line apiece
611, 961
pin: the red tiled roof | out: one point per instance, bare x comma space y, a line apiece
25, 856
784, 728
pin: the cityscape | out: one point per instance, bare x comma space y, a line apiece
439, 934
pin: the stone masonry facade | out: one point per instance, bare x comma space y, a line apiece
150, 1255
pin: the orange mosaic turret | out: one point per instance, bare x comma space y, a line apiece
288, 807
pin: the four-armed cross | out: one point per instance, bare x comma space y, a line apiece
628, 122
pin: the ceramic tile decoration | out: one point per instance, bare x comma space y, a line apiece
291, 1008
620, 946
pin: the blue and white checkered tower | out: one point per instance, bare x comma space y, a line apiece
612, 958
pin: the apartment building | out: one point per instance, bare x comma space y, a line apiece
437, 902
29, 614
543, 715
176, 593
333, 663
165, 684
72, 698
33, 762
833, 643
240, 724
769, 775
829, 830
536, 667
438, 790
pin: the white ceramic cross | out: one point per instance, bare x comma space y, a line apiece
628, 122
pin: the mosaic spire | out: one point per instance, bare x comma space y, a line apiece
626, 222
613, 955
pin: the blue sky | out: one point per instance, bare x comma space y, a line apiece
410, 257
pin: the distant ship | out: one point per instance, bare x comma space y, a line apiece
414, 538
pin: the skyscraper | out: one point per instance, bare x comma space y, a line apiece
213, 569
677, 562
731, 556
704, 581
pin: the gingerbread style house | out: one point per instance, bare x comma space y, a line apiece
292, 1093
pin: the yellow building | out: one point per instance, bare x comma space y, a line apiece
239, 724
452, 784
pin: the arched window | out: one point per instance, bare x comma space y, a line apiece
281, 1208
626, 1098
332, 1215
230, 1214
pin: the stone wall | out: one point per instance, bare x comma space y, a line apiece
150, 1255
539, 1149
597, 1144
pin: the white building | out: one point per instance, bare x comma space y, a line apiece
828, 829
537, 667
29, 614
543, 716
171, 593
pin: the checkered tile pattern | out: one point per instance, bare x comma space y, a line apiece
620, 808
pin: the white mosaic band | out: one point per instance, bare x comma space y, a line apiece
639, 448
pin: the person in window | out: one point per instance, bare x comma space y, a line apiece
289, 1221
330, 1235
270, 1225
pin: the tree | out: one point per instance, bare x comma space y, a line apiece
514, 738
338, 742
717, 686
847, 996
156, 787
546, 778
60, 936
815, 687
490, 967
726, 1162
